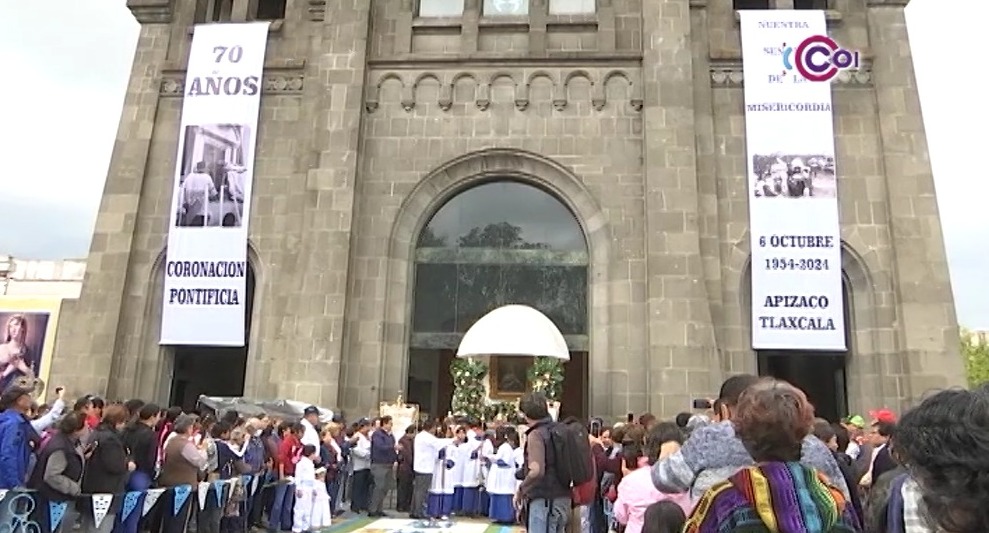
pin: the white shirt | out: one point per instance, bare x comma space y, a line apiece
309, 434
235, 183
196, 191
361, 453
425, 448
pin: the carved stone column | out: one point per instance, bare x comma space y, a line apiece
928, 327
682, 348
88, 343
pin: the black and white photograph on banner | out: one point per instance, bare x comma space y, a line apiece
213, 181
794, 176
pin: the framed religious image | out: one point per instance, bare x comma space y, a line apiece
508, 376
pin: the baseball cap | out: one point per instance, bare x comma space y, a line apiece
856, 420
311, 410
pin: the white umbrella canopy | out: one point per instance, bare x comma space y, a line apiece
517, 330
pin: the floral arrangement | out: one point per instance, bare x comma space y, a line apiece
546, 375
468, 387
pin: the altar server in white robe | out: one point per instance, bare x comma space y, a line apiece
439, 504
501, 483
487, 448
470, 480
462, 456
321, 516
305, 487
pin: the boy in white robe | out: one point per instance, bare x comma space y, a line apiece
321, 515
305, 485
439, 503
470, 476
487, 448
501, 482
460, 457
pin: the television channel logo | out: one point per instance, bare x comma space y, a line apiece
819, 58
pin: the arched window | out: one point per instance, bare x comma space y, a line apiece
494, 244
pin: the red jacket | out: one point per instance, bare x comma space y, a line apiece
288, 454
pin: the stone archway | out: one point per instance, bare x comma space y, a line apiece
447, 181
152, 369
865, 365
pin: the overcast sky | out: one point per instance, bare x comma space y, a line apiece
68, 61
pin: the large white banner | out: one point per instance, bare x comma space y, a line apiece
205, 297
793, 195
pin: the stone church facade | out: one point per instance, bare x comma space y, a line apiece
629, 113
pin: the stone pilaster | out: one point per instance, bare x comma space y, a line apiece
928, 327
87, 340
682, 351
310, 360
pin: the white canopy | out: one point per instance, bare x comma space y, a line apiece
514, 330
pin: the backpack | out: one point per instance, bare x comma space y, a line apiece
574, 462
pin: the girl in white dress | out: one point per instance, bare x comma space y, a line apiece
321, 515
501, 483
305, 486
439, 503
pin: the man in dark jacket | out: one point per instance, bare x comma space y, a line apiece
108, 466
547, 500
405, 472
141, 440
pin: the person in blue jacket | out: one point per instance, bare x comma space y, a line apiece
16, 436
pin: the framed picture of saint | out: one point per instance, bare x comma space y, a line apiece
508, 377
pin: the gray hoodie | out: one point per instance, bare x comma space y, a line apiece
713, 453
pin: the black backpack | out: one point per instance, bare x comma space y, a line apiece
572, 452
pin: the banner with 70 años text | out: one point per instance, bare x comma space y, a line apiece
797, 298
206, 264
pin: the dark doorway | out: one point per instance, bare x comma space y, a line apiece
820, 375
212, 370
574, 400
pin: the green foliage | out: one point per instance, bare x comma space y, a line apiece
468, 387
975, 351
546, 375
501, 411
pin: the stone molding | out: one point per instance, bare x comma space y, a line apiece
151, 11
276, 81
730, 75
560, 79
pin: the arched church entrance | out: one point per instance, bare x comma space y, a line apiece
497, 243
821, 375
212, 370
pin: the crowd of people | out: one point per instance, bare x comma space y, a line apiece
758, 461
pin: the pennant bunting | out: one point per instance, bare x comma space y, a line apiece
245, 481
3, 494
202, 493
130, 503
56, 511
254, 485
150, 499
180, 495
101, 507
218, 491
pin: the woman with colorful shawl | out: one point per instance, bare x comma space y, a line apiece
779, 494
